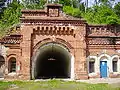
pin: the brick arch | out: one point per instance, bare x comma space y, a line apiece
9, 57
18, 62
60, 41
65, 45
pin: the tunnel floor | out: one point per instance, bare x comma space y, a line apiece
53, 62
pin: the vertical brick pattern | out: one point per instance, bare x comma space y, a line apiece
26, 51
80, 53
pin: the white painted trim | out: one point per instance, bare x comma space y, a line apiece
115, 56
72, 76
12, 74
118, 63
109, 60
102, 55
92, 74
88, 59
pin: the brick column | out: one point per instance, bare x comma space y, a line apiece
80, 64
80, 54
26, 51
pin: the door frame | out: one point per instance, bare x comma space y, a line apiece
105, 57
106, 68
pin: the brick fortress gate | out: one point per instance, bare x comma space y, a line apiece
53, 42
50, 44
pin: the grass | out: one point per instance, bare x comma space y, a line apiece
53, 85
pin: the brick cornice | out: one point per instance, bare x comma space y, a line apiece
104, 47
50, 21
32, 11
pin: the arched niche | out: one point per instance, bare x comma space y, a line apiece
2, 66
12, 65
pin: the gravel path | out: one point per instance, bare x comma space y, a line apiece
102, 80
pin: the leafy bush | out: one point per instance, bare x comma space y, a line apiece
101, 15
72, 11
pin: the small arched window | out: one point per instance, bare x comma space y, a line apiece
12, 65
114, 64
91, 65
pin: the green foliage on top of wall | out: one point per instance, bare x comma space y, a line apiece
101, 12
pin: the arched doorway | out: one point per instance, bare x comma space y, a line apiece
52, 60
104, 67
2, 66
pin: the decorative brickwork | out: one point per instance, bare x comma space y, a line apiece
49, 34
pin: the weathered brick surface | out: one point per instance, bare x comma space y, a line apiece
40, 27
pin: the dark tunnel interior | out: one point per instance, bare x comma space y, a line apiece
53, 61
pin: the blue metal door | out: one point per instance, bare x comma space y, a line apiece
103, 69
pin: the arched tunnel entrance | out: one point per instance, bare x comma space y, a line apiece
52, 61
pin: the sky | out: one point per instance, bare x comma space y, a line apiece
91, 2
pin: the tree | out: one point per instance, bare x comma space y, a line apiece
72, 11
86, 3
66, 2
11, 15
101, 15
2, 5
106, 2
96, 2
34, 4
117, 9
82, 7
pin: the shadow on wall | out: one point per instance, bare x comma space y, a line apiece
2, 66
